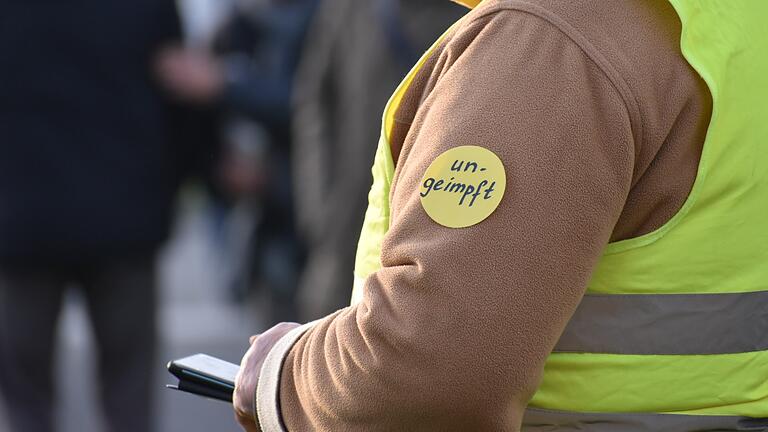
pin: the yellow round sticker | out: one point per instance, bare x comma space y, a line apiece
463, 186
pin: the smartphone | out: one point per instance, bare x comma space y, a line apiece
204, 375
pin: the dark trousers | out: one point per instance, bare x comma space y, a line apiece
121, 303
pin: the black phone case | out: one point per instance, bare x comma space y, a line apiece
190, 383
202, 390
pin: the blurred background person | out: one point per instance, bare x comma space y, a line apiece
356, 54
103, 113
248, 76
91, 156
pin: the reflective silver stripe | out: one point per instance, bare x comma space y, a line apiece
541, 420
668, 324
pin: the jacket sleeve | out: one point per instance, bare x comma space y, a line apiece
453, 331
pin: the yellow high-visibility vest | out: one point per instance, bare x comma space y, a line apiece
673, 331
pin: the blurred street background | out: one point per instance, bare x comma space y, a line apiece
176, 176
192, 318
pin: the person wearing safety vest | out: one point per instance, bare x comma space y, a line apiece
567, 230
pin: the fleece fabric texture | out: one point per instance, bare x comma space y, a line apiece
599, 122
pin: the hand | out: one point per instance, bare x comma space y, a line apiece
191, 75
250, 369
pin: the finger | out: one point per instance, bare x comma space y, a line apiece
247, 423
253, 338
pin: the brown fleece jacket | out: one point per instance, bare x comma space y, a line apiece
599, 122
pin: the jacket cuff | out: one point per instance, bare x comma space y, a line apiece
267, 399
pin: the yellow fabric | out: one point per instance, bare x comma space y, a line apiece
731, 384
376, 223
469, 3
717, 243
726, 43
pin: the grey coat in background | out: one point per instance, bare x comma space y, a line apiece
356, 53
